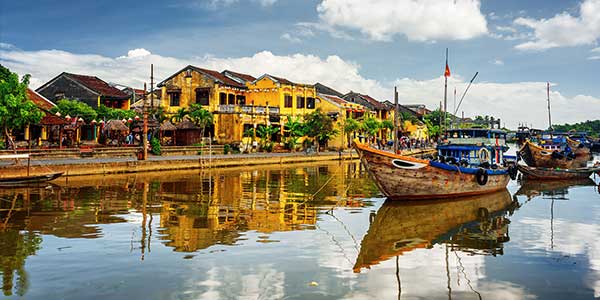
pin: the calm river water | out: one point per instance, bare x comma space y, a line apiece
294, 232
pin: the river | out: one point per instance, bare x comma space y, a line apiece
313, 231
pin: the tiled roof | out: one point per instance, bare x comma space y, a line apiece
39, 100
335, 99
375, 103
282, 80
98, 85
323, 89
219, 77
245, 77
50, 119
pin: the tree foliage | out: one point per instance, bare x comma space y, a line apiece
591, 127
371, 126
107, 113
179, 115
319, 126
16, 110
294, 129
75, 109
351, 126
200, 116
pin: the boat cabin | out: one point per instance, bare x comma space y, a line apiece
474, 146
555, 140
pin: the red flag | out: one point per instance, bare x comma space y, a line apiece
447, 72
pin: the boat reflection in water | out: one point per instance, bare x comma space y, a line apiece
477, 225
557, 189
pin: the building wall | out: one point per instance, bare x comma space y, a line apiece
70, 90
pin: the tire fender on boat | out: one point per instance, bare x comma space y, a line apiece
481, 176
512, 171
483, 155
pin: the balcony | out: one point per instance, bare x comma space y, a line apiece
226, 109
247, 109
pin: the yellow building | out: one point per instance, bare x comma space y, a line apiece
339, 110
216, 92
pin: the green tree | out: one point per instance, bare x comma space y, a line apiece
351, 126
265, 133
75, 109
371, 126
179, 115
320, 127
16, 110
108, 113
295, 129
200, 116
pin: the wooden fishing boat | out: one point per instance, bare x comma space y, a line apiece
20, 180
536, 156
26, 179
534, 173
474, 224
406, 178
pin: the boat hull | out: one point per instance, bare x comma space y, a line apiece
21, 180
533, 173
535, 156
426, 182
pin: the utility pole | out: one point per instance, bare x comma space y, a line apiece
396, 116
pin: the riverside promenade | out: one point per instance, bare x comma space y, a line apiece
113, 165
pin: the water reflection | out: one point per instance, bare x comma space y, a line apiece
476, 225
196, 209
270, 232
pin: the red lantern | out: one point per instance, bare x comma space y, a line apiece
137, 118
129, 120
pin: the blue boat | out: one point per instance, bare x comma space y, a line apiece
475, 147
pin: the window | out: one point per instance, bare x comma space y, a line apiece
202, 96
241, 99
310, 102
287, 101
231, 99
299, 102
222, 98
174, 97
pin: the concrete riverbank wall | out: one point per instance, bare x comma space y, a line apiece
76, 167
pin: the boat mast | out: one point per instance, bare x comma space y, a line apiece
445, 93
549, 115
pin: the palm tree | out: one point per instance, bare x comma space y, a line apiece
295, 129
200, 116
179, 115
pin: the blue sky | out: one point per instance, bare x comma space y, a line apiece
507, 42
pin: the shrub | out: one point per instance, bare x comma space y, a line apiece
226, 149
155, 143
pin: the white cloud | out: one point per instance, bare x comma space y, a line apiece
498, 62
564, 30
267, 2
292, 39
139, 52
418, 20
512, 102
